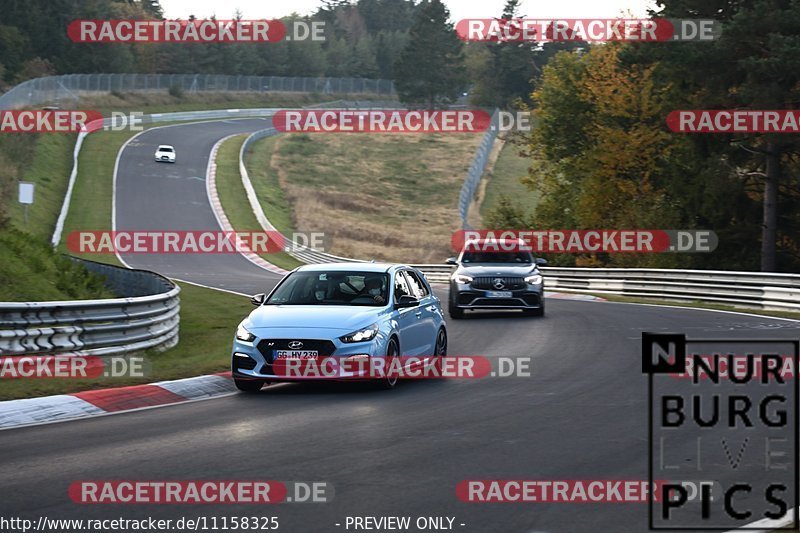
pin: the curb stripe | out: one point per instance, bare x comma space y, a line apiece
126, 398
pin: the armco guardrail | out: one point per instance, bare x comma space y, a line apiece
476, 170
147, 317
758, 289
751, 289
53, 89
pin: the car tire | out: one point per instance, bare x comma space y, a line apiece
441, 343
248, 385
392, 350
455, 312
440, 351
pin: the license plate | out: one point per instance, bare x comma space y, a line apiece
499, 294
296, 354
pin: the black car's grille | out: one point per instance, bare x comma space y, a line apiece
499, 302
473, 298
244, 363
266, 346
489, 283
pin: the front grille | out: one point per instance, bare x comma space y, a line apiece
531, 299
266, 346
488, 283
498, 302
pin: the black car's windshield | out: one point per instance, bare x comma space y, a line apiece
497, 257
332, 288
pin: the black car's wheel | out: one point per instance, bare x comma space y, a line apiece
248, 385
389, 381
455, 312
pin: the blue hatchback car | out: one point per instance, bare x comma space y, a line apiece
343, 310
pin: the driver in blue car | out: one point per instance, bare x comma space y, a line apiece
373, 287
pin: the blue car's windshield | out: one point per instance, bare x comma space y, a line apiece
332, 288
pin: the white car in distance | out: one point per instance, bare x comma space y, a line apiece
165, 153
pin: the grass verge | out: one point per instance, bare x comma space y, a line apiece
48, 169
386, 197
43, 275
265, 181
504, 181
234, 201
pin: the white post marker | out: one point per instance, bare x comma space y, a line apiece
26, 196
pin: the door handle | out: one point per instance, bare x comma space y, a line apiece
418, 314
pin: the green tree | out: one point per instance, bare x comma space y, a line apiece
755, 64
431, 69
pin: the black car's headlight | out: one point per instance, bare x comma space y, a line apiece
533, 279
462, 278
243, 334
366, 334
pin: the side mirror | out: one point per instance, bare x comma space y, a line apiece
451, 261
406, 301
258, 299
541, 262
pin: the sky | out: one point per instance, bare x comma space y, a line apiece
459, 9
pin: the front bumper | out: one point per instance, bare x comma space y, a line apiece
462, 296
253, 360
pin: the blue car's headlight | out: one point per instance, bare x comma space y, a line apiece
366, 334
243, 335
534, 279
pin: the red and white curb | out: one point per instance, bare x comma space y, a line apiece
216, 206
35, 411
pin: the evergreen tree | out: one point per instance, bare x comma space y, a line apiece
431, 68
